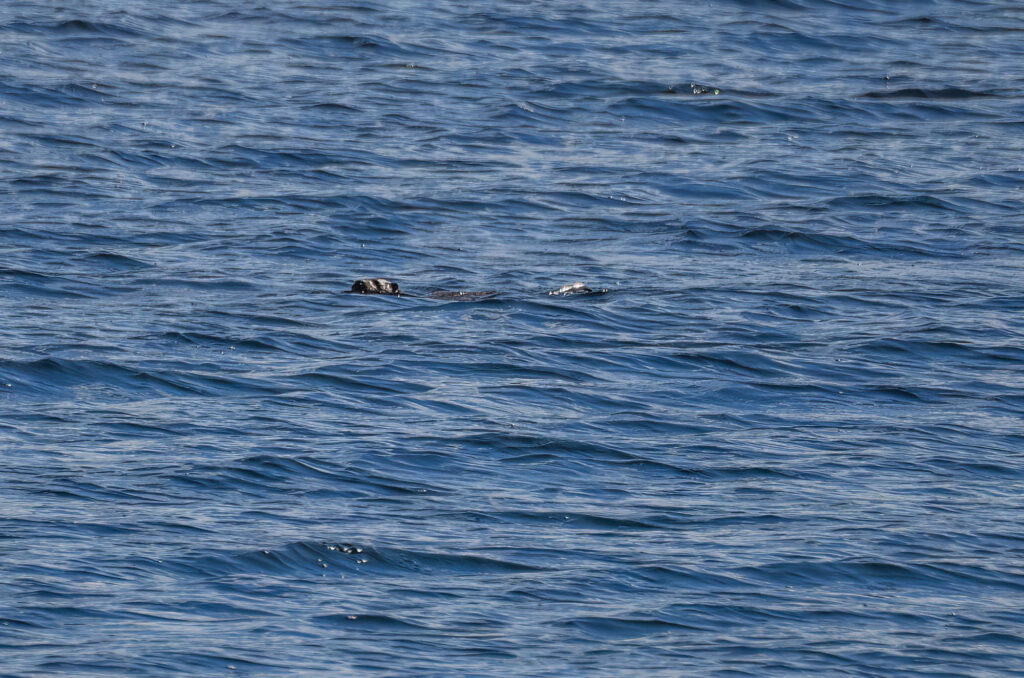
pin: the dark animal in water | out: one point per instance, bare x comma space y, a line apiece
375, 286
385, 286
694, 89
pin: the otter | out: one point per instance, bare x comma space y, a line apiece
385, 286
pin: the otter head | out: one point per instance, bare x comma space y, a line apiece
375, 286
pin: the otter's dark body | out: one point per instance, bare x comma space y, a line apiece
385, 286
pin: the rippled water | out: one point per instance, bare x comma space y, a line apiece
788, 439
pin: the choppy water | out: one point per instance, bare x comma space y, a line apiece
787, 440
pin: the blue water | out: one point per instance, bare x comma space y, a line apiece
787, 441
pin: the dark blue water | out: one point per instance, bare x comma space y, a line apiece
787, 441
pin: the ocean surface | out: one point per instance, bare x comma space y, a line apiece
786, 440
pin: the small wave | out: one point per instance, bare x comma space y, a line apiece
316, 558
75, 28
368, 622
572, 521
330, 380
615, 628
64, 375
949, 93
114, 262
